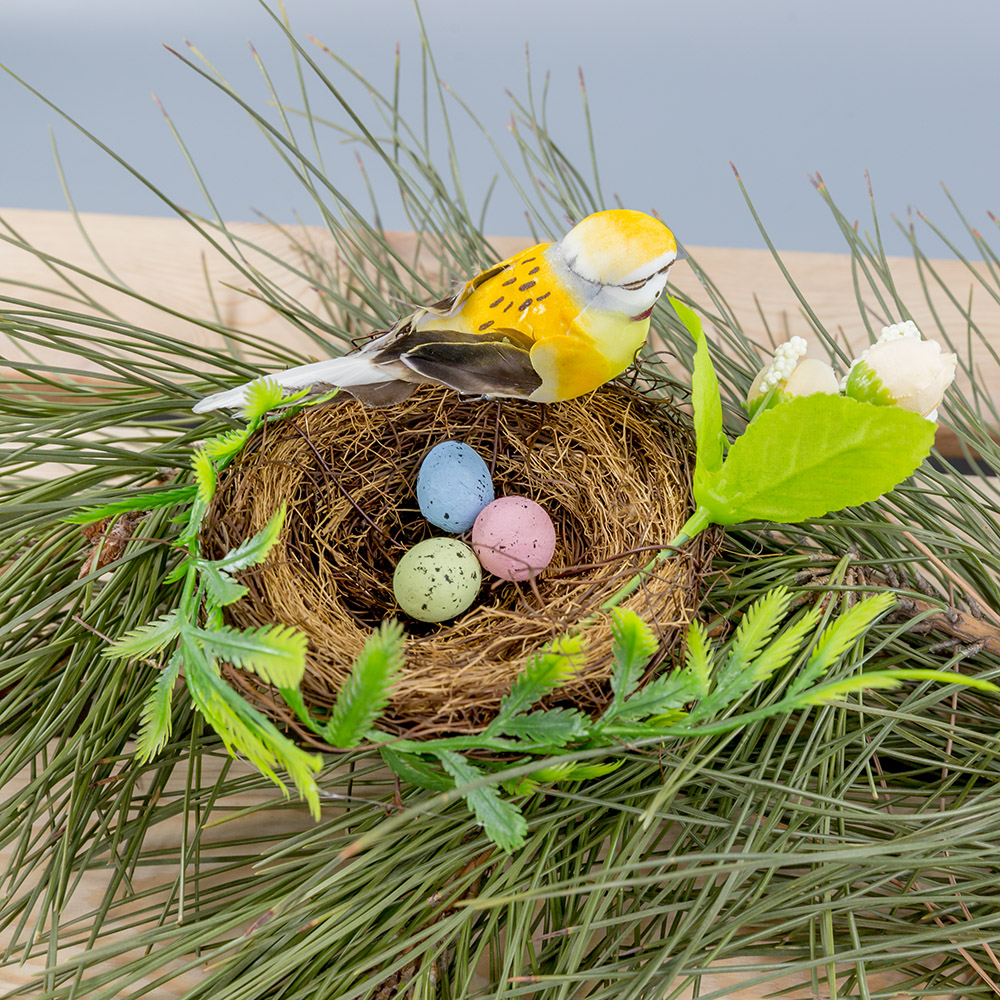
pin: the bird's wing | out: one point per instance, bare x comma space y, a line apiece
489, 366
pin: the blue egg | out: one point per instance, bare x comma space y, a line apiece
453, 486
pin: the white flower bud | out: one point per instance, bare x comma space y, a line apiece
792, 375
902, 370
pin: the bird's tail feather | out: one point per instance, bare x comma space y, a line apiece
351, 369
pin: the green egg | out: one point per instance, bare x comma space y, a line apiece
437, 579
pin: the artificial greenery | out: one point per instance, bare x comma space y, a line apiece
850, 846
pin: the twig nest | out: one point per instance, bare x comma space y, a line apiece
610, 469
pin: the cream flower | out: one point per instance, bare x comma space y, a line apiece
792, 375
901, 369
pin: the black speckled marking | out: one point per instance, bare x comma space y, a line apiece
544, 295
493, 305
524, 305
534, 270
486, 325
525, 286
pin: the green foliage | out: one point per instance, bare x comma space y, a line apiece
500, 819
227, 445
253, 550
706, 400
155, 719
682, 703
275, 653
146, 639
142, 501
544, 672
814, 454
263, 396
204, 476
634, 645
364, 695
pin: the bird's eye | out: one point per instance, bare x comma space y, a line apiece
634, 285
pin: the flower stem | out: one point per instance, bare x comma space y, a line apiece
694, 525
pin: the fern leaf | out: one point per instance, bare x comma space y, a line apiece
662, 694
262, 396
265, 395
543, 673
365, 693
633, 647
699, 658
155, 719
554, 727
414, 771
220, 588
275, 653
140, 501
758, 626
500, 819
839, 635
735, 679
222, 447
243, 729
886, 679
146, 639
254, 549
204, 476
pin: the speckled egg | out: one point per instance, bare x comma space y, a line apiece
437, 579
514, 538
453, 486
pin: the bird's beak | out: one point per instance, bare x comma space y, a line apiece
681, 254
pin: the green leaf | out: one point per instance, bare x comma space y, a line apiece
633, 646
222, 447
887, 679
705, 398
265, 395
364, 695
500, 819
699, 659
814, 454
180, 570
275, 653
194, 518
554, 727
254, 549
262, 396
220, 588
574, 770
758, 625
564, 771
547, 670
411, 769
243, 729
662, 694
154, 719
204, 476
146, 639
839, 635
140, 501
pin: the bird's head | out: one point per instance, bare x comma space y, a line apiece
628, 253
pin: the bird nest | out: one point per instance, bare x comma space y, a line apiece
612, 470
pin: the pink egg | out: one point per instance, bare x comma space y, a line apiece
514, 538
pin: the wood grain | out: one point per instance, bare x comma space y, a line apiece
167, 261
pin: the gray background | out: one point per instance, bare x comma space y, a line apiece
903, 88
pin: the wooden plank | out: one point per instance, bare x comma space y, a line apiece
166, 261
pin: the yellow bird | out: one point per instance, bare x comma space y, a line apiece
550, 323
